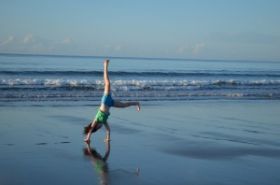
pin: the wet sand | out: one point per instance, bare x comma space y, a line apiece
193, 142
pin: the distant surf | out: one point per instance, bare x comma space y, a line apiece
51, 78
88, 85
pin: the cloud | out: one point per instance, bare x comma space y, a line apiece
67, 40
198, 47
110, 48
246, 37
182, 49
28, 39
117, 48
191, 49
7, 41
30, 43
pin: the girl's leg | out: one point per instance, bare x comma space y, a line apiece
107, 88
120, 104
107, 131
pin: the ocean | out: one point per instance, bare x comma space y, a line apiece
73, 78
211, 121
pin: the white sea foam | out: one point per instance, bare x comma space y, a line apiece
53, 82
59, 88
136, 83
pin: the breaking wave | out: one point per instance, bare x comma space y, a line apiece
147, 86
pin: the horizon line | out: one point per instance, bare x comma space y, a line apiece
135, 58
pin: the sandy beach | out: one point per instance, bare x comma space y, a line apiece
191, 142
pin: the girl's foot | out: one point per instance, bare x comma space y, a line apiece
106, 62
107, 140
138, 107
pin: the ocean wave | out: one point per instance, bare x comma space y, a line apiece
82, 89
132, 84
146, 96
199, 73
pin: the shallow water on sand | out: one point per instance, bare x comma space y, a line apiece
191, 142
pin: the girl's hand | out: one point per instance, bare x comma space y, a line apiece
107, 140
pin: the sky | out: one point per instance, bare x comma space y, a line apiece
201, 29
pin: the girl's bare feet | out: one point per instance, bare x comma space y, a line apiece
138, 107
106, 62
107, 140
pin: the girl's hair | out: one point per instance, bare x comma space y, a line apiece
87, 128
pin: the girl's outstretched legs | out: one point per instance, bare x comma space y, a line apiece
120, 104
107, 87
